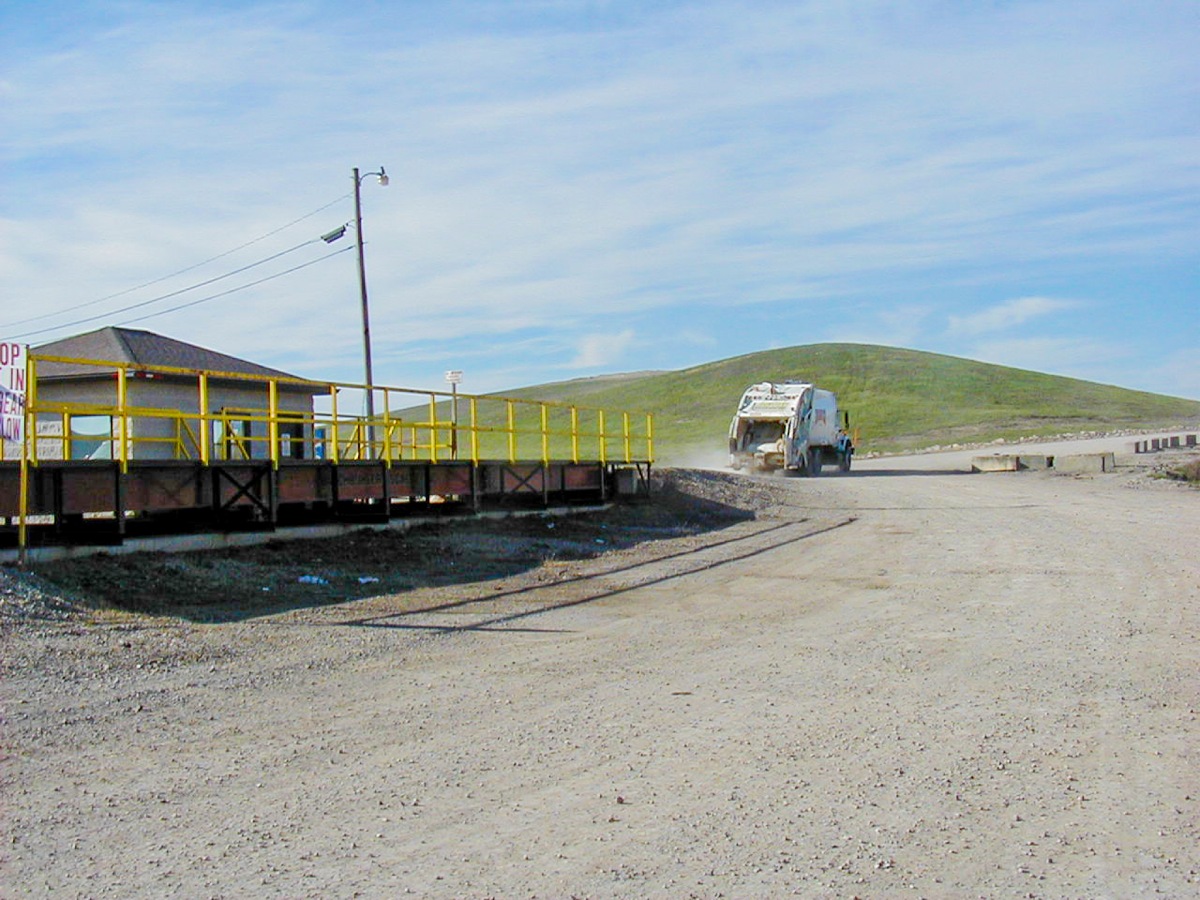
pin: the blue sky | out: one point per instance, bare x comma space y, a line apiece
580, 188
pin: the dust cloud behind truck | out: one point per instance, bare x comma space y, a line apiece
792, 426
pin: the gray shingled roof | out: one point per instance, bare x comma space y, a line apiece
140, 348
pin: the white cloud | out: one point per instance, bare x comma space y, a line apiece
1008, 314
1076, 357
697, 338
1176, 374
550, 175
601, 350
1106, 361
902, 325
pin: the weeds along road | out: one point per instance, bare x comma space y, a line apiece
892, 683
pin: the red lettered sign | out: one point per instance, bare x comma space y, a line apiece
12, 390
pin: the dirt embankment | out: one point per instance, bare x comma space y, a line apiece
232, 585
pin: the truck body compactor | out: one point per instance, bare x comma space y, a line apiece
792, 427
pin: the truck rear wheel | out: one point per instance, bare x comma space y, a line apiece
814, 463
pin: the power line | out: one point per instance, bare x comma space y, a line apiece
180, 272
140, 304
163, 312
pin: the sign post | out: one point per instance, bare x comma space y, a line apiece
14, 422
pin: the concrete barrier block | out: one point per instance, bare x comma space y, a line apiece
1085, 463
1025, 461
1168, 442
629, 483
998, 462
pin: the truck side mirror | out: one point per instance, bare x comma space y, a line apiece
846, 418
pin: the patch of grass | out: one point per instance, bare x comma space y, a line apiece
1189, 472
898, 399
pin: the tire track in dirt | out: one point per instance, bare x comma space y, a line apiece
502, 609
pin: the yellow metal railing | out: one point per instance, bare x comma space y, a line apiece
225, 416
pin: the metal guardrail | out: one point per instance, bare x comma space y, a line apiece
414, 425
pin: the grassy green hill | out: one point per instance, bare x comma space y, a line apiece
898, 399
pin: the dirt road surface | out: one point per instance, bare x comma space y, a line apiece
901, 682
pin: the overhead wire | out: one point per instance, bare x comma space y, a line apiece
163, 278
168, 296
311, 262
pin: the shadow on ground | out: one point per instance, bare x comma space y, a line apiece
893, 473
279, 576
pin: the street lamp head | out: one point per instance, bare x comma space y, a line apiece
381, 177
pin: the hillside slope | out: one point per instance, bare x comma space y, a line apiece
897, 398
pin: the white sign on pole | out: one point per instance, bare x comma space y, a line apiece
12, 390
454, 376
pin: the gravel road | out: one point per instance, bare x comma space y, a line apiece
902, 682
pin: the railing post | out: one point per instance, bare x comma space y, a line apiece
273, 421
29, 445
123, 417
574, 434
433, 428
625, 433
387, 430
29, 424
603, 438
512, 433
474, 434
206, 436
649, 437
545, 434
333, 411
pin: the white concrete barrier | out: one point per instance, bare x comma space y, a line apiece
997, 462
1010, 462
1085, 463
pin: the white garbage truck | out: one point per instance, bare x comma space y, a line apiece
791, 427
